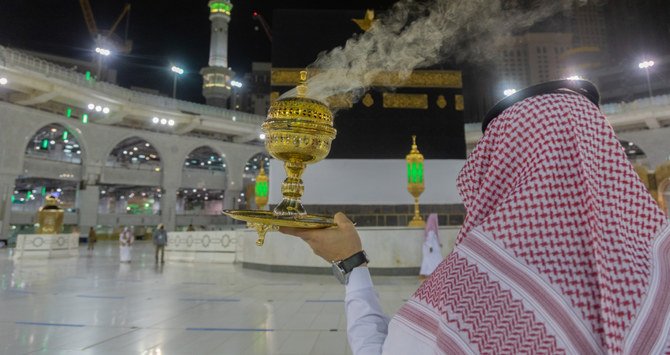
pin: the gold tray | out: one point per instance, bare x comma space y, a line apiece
267, 217
265, 221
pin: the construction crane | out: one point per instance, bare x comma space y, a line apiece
106, 38
264, 24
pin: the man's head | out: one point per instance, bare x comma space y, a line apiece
161, 227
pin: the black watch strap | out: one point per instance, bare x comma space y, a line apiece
353, 261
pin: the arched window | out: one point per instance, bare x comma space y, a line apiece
205, 158
203, 183
134, 153
55, 142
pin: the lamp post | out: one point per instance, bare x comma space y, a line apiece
415, 184
236, 85
177, 71
262, 188
102, 53
646, 65
509, 92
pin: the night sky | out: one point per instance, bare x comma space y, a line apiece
163, 32
166, 32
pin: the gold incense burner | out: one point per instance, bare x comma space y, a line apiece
298, 131
50, 217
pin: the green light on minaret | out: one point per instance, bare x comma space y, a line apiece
221, 7
45, 144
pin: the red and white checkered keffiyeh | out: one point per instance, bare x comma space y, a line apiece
562, 251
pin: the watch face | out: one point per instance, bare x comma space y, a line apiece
339, 274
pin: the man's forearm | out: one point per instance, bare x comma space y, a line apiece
367, 325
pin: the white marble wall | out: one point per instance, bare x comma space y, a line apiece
46, 246
370, 182
206, 246
388, 248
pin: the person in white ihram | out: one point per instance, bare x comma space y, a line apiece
432, 248
126, 240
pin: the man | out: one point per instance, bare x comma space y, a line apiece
563, 250
160, 240
92, 239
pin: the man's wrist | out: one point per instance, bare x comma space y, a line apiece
342, 268
359, 279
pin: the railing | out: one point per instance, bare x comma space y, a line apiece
11, 57
616, 108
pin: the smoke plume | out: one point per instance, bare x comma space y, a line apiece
415, 34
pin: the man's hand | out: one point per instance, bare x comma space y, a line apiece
332, 244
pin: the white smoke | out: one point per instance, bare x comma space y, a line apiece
415, 34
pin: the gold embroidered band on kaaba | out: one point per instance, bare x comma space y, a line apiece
451, 79
415, 101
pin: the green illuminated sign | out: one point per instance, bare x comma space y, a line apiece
84, 118
88, 76
415, 173
262, 188
44, 190
45, 144
68, 112
64, 135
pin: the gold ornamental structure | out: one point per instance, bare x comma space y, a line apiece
298, 131
262, 188
415, 184
50, 217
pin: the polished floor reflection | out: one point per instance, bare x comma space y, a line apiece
95, 305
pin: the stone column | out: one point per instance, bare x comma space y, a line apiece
230, 198
6, 191
88, 200
168, 207
171, 182
234, 180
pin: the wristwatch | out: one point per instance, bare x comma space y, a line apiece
342, 268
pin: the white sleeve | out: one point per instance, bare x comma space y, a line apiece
367, 325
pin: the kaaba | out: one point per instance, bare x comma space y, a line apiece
428, 104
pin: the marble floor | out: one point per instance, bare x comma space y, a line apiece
95, 305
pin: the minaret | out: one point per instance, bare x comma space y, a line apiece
217, 76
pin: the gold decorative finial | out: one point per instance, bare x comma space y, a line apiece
366, 22
302, 87
415, 149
